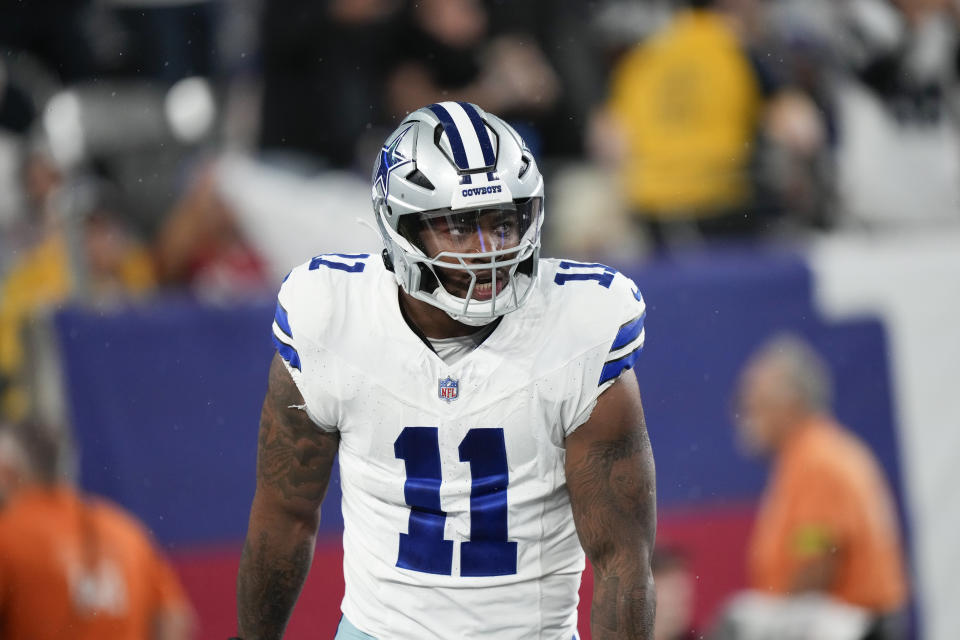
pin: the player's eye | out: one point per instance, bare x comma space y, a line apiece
459, 225
501, 225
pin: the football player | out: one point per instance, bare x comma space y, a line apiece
480, 398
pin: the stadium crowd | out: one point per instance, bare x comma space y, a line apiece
167, 147
144, 144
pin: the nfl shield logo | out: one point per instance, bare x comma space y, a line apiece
449, 389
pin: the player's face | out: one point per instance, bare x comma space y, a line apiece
473, 232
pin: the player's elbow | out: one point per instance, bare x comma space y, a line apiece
616, 555
298, 516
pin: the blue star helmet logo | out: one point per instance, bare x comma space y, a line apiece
389, 160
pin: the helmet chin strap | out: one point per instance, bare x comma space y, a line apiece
473, 322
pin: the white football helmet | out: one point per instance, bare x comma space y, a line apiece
458, 200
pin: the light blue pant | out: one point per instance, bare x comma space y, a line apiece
347, 631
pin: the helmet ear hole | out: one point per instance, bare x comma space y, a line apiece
416, 177
524, 167
387, 260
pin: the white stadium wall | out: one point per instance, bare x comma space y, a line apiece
912, 282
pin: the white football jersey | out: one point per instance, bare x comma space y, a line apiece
457, 521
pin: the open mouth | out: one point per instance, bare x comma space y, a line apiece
484, 290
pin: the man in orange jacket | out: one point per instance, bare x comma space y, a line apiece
827, 521
72, 566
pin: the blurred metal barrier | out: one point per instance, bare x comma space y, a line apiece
100, 119
142, 134
758, 616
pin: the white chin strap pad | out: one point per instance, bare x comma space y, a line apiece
479, 310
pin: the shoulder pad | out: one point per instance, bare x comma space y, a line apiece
306, 303
603, 307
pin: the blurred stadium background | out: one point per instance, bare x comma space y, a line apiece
164, 163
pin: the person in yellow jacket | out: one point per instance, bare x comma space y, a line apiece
682, 118
43, 279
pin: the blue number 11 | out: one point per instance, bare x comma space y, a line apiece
423, 547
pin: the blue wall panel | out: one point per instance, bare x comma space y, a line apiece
165, 399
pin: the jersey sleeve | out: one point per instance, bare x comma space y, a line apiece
298, 322
621, 312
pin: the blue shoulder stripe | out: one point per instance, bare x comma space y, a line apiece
356, 267
481, 130
287, 352
573, 264
453, 135
629, 332
282, 321
615, 367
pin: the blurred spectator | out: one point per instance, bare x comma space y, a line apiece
797, 36
620, 24
590, 216
681, 123
323, 74
330, 211
165, 40
16, 109
675, 590
53, 31
685, 106
25, 86
72, 566
827, 522
36, 179
201, 246
102, 264
899, 153
445, 53
572, 48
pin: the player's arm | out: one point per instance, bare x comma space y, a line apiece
610, 477
294, 460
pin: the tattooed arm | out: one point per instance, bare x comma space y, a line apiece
294, 459
611, 481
